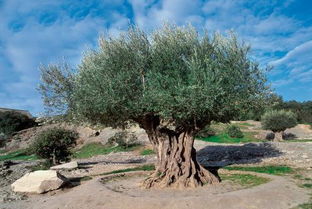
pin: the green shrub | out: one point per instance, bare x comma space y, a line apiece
234, 131
278, 120
123, 139
11, 121
206, 132
54, 144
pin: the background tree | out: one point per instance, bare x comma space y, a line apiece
278, 121
303, 110
172, 83
54, 144
12, 121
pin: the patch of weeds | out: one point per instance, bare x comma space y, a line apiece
245, 180
298, 176
309, 186
94, 149
304, 206
18, 155
225, 138
147, 152
85, 178
273, 170
245, 124
139, 168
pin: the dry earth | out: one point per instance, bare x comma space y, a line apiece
279, 193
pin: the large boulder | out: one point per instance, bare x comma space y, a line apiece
66, 166
39, 182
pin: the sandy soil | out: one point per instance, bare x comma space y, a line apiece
279, 193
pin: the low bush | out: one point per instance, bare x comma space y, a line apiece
54, 144
11, 121
234, 131
123, 139
206, 132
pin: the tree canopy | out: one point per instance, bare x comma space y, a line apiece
183, 77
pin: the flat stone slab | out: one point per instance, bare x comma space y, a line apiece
39, 182
66, 166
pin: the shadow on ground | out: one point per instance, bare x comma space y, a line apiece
223, 155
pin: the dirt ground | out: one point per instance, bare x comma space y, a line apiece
280, 193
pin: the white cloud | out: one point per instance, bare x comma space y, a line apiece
299, 55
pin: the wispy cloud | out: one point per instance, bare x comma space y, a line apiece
34, 32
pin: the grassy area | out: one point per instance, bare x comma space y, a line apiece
304, 206
245, 180
18, 155
147, 152
86, 178
225, 138
2, 151
307, 185
94, 149
139, 168
244, 124
273, 170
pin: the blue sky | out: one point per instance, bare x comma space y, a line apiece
40, 32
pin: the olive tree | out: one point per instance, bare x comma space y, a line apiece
172, 82
278, 121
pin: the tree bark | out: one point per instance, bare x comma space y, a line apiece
177, 165
278, 136
176, 157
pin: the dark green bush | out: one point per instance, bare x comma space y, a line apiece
11, 121
54, 144
123, 139
234, 131
206, 132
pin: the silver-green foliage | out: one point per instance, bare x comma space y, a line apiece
278, 120
174, 73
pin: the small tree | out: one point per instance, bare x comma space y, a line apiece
172, 82
54, 144
278, 121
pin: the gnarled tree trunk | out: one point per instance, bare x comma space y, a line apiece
176, 158
177, 165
